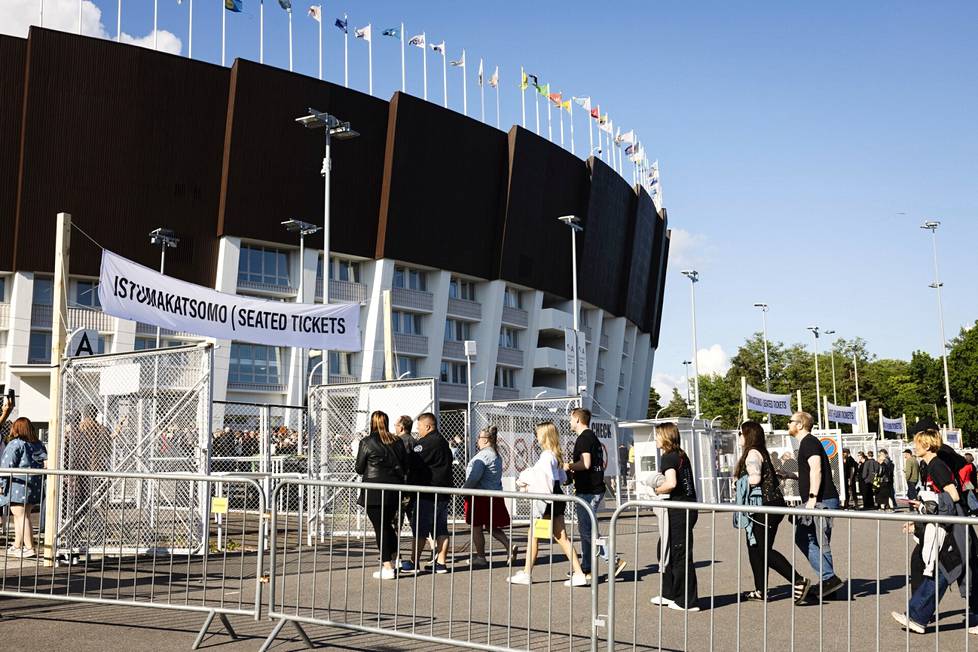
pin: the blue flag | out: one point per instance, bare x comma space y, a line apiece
392, 31
285, 4
341, 23
233, 5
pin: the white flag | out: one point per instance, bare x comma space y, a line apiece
364, 33
417, 41
439, 47
494, 80
316, 13
584, 102
479, 78
628, 137
459, 63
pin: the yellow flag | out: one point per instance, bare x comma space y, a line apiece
566, 105
524, 83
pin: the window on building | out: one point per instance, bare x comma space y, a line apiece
254, 364
454, 372
460, 289
404, 365
457, 331
347, 270
505, 377
263, 265
86, 294
39, 349
509, 338
3, 289
341, 363
43, 291
406, 323
143, 343
512, 298
410, 279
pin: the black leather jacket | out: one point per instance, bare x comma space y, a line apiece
380, 462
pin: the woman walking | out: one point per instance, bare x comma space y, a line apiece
485, 471
885, 498
757, 484
22, 493
679, 589
382, 458
548, 472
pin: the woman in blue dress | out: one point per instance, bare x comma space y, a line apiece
22, 493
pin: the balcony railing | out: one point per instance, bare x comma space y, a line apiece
465, 309
412, 299
342, 291
599, 375
454, 350
604, 342
587, 332
515, 317
270, 288
41, 317
4, 315
621, 380
453, 392
549, 358
509, 357
505, 393
257, 387
410, 344
149, 329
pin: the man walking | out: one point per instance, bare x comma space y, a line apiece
911, 471
870, 469
849, 467
430, 465
588, 469
814, 534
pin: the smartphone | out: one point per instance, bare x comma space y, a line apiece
10, 395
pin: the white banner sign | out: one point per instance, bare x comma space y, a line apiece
842, 414
893, 425
768, 403
130, 291
576, 356
607, 434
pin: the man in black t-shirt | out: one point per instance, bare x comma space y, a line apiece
588, 469
818, 490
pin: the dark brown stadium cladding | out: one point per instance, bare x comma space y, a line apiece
127, 139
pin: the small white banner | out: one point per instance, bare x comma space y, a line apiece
130, 291
842, 414
768, 403
893, 425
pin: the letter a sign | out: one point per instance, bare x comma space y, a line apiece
83, 342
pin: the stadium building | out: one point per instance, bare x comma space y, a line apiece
457, 218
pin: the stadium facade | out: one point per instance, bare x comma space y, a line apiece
457, 218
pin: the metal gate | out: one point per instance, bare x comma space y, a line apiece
144, 412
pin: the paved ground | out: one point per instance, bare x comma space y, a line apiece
546, 616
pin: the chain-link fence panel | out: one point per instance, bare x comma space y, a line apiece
144, 412
517, 443
452, 425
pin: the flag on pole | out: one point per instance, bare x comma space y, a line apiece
417, 41
438, 47
284, 4
394, 32
494, 78
536, 81
596, 113
316, 13
628, 137
603, 120
479, 76
233, 5
459, 63
342, 24
556, 98
364, 33
524, 81
566, 105
543, 90
583, 102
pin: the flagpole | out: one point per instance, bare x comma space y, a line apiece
550, 131
482, 94
403, 75
261, 31
346, 51
190, 31
370, 63
40, 13
497, 103
522, 98
560, 114
444, 73
223, 29
424, 63
465, 87
536, 104
320, 42
156, 31
590, 131
290, 40
572, 128
79, 17
118, 21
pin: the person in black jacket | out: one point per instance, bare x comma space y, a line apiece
382, 458
429, 465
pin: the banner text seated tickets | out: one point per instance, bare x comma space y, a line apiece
759, 401
131, 291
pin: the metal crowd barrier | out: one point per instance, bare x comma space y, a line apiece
329, 581
137, 540
841, 620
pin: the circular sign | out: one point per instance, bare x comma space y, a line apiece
828, 444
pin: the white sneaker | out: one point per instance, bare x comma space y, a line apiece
520, 577
27, 553
578, 579
916, 628
385, 574
665, 602
676, 607
973, 630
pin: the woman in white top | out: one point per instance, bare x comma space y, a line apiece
548, 472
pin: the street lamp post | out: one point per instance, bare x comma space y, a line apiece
166, 239
574, 223
818, 387
694, 278
686, 364
333, 127
303, 229
931, 225
767, 366
470, 352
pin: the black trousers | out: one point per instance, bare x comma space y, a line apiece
885, 495
764, 540
679, 576
868, 501
385, 531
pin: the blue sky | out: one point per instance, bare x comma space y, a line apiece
800, 145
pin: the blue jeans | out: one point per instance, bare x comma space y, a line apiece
584, 529
807, 540
911, 491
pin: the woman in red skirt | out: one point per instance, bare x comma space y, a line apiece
485, 471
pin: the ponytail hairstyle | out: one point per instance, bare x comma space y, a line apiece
379, 424
490, 433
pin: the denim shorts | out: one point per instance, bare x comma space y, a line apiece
427, 519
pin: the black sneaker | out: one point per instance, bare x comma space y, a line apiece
830, 586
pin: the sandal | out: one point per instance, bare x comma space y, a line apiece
800, 591
754, 595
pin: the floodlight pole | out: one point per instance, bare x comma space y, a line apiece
166, 239
694, 278
931, 225
767, 366
574, 223
818, 388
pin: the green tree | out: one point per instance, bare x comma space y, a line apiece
654, 405
720, 397
963, 371
677, 406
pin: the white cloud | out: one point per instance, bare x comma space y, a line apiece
713, 360
16, 16
687, 249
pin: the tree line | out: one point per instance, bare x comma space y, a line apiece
914, 387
